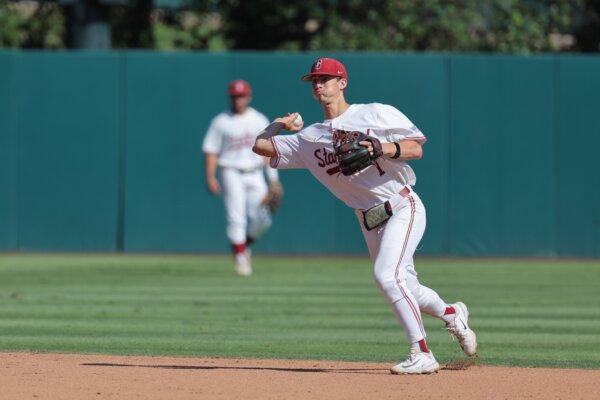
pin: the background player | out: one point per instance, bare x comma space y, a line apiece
384, 186
228, 145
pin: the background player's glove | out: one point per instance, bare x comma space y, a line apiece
353, 157
273, 199
274, 202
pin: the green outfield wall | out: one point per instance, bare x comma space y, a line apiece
102, 151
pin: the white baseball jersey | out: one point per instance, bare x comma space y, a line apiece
312, 148
391, 245
231, 136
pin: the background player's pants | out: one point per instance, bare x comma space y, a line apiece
242, 195
391, 247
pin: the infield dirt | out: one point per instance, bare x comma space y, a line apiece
72, 376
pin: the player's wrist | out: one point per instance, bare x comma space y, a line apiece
389, 149
272, 130
278, 125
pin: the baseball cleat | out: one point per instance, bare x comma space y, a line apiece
459, 328
242, 265
418, 362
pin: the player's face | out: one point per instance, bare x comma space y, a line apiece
326, 88
239, 104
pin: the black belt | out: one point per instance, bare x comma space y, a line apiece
246, 170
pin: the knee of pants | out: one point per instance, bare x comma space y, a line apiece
393, 287
236, 232
413, 285
259, 223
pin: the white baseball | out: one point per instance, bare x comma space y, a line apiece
298, 121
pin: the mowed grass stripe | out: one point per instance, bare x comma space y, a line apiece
260, 323
526, 313
224, 311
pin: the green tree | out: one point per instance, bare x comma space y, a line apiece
588, 28
267, 24
464, 25
445, 25
11, 34
512, 26
131, 25
200, 30
43, 27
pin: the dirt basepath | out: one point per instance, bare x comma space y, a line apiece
59, 376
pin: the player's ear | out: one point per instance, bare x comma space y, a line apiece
343, 83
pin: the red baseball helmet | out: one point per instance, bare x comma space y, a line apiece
326, 66
239, 87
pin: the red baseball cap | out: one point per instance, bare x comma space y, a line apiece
326, 66
239, 87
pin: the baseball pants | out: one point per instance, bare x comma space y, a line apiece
391, 247
243, 193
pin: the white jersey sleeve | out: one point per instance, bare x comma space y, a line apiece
213, 140
289, 152
264, 121
395, 126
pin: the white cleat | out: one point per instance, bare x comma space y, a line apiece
243, 267
418, 362
459, 328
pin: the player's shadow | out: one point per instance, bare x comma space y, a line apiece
223, 367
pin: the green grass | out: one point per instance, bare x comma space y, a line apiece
531, 313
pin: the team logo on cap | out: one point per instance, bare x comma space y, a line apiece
318, 64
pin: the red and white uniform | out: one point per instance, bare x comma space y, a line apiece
391, 245
231, 136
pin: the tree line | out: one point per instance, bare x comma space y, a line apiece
507, 26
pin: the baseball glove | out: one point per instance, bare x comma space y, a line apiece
274, 197
273, 202
353, 157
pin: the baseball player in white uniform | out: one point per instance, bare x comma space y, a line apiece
390, 213
228, 145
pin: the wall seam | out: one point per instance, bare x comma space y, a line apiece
555, 159
449, 249
15, 154
121, 151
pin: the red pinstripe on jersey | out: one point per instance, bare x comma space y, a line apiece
275, 160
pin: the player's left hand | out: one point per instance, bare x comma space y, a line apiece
357, 155
374, 146
368, 145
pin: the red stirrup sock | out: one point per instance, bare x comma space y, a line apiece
421, 345
449, 310
449, 314
238, 248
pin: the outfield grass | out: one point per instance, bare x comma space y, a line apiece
525, 312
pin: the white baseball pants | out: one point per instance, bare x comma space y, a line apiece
391, 247
243, 193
